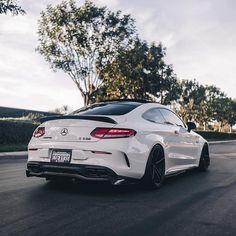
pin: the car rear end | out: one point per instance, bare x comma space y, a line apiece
84, 146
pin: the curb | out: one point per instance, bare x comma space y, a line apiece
14, 155
223, 141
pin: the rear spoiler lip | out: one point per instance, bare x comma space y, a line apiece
76, 117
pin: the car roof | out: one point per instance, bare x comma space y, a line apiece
137, 106
127, 101
140, 105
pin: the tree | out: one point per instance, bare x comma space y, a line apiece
140, 73
222, 110
163, 84
10, 6
206, 108
192, 101
231, 114
65, 109
204, 104
34, 117
81, 41
125, 77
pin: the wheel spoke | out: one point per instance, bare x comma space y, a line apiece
157, 174
159, 161
157, 167
157, 152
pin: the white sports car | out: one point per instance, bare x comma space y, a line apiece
116, 141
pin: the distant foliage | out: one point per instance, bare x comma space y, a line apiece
205, 104
65, 109
10, 6
34, 117
8, 112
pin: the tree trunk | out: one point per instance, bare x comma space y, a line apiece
161, 96
86, 98
204, 126
220, 126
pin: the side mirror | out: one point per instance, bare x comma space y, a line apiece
191, 125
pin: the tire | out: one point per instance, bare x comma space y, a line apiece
155, 169
204, 159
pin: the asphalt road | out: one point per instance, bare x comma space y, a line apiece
192, 203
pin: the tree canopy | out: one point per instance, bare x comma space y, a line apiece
205, 104
82, 40
141, 73
10, 6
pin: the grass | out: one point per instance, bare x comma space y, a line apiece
13, 148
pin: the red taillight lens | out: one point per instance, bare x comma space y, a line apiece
112, 133
40, 131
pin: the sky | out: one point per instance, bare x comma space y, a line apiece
200, 37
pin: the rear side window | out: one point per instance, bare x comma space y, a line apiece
115, 109
171, 118
154, 115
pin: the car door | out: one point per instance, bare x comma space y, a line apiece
182, 145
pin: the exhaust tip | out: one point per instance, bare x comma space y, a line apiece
27, 173
118, 181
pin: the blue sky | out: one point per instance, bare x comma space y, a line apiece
199, 35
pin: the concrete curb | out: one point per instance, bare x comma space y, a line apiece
223, 141
14, 155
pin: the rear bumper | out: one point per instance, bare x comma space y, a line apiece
126, 157
72, 171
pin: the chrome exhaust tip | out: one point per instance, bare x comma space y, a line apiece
118, 181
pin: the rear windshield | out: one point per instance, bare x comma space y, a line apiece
115, 109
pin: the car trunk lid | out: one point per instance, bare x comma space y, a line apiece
73, 128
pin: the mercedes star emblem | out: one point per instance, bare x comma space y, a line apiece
64, 131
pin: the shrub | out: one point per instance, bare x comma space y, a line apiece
16, 132
211, 135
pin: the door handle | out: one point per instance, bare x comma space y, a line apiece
176, 132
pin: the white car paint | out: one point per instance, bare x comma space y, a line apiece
182, 149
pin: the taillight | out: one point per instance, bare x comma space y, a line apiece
40, 131
112, 133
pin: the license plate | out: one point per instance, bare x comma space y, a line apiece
61, 156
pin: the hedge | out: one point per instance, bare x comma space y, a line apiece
211, 135
15, 132
17, 112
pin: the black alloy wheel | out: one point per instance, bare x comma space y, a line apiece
155, 169
204, 159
